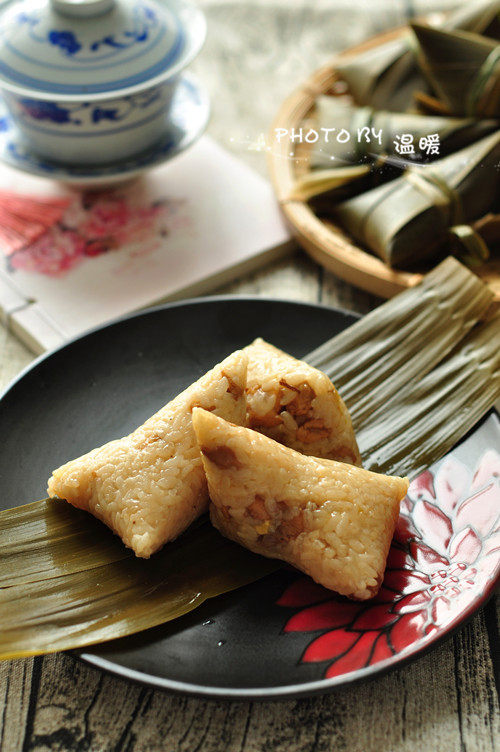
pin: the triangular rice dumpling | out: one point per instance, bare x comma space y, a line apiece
150, 486
333, 112
478, 16
463, 69
331, 520
386, 75
297, 405
375, 75
408, 220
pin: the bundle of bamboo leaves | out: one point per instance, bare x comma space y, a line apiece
417, 373
409, 219
387, 75
433, 84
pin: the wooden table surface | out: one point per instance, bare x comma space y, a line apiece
446, 700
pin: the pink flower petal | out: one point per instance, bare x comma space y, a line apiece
326, 615
426, 558
412, 602
355, 658
451, 482
480, 511
465, 546
463, 602
374, 617
330, 645
422, 487
441, 611
303, 592
491, 543
407, 630
382, 650
406, 506
402, 581
490, 565
488, 468
434, 525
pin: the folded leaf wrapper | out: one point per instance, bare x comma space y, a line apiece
381, 75
332, 112
387, 75
408, 220
71, 602
337, 184
67, 582
463, 69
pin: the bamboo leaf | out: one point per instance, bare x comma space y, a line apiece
373, 360
70, 609
425, 420
408, 220
453, 133
463, 69
385, 75
337, 182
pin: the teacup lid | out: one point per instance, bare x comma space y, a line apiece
73, 48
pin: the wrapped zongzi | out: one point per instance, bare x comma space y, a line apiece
386, 74
375, 133
409, 219
463, 69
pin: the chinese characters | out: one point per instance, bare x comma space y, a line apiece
402, 144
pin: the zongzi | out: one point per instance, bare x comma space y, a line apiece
374, 133
331, 520
387, 73
463, 69
408, 220
297, 405
150, 486
381, 74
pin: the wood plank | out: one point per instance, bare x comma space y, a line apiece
415, 706
295, 277
336, 293
15, 687
478, 708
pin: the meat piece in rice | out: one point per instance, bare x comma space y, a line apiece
297, 405
149, 486
332, 520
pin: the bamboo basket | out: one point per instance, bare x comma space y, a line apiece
326, 242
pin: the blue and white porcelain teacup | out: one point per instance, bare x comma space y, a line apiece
91, 81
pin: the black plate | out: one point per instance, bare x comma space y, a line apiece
102, 386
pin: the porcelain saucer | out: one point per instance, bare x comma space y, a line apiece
184, 124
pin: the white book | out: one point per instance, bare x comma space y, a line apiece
180, 230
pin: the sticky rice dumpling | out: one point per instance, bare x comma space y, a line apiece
148, 487
297, 405
332, 520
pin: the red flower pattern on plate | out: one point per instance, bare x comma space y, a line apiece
445, 552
